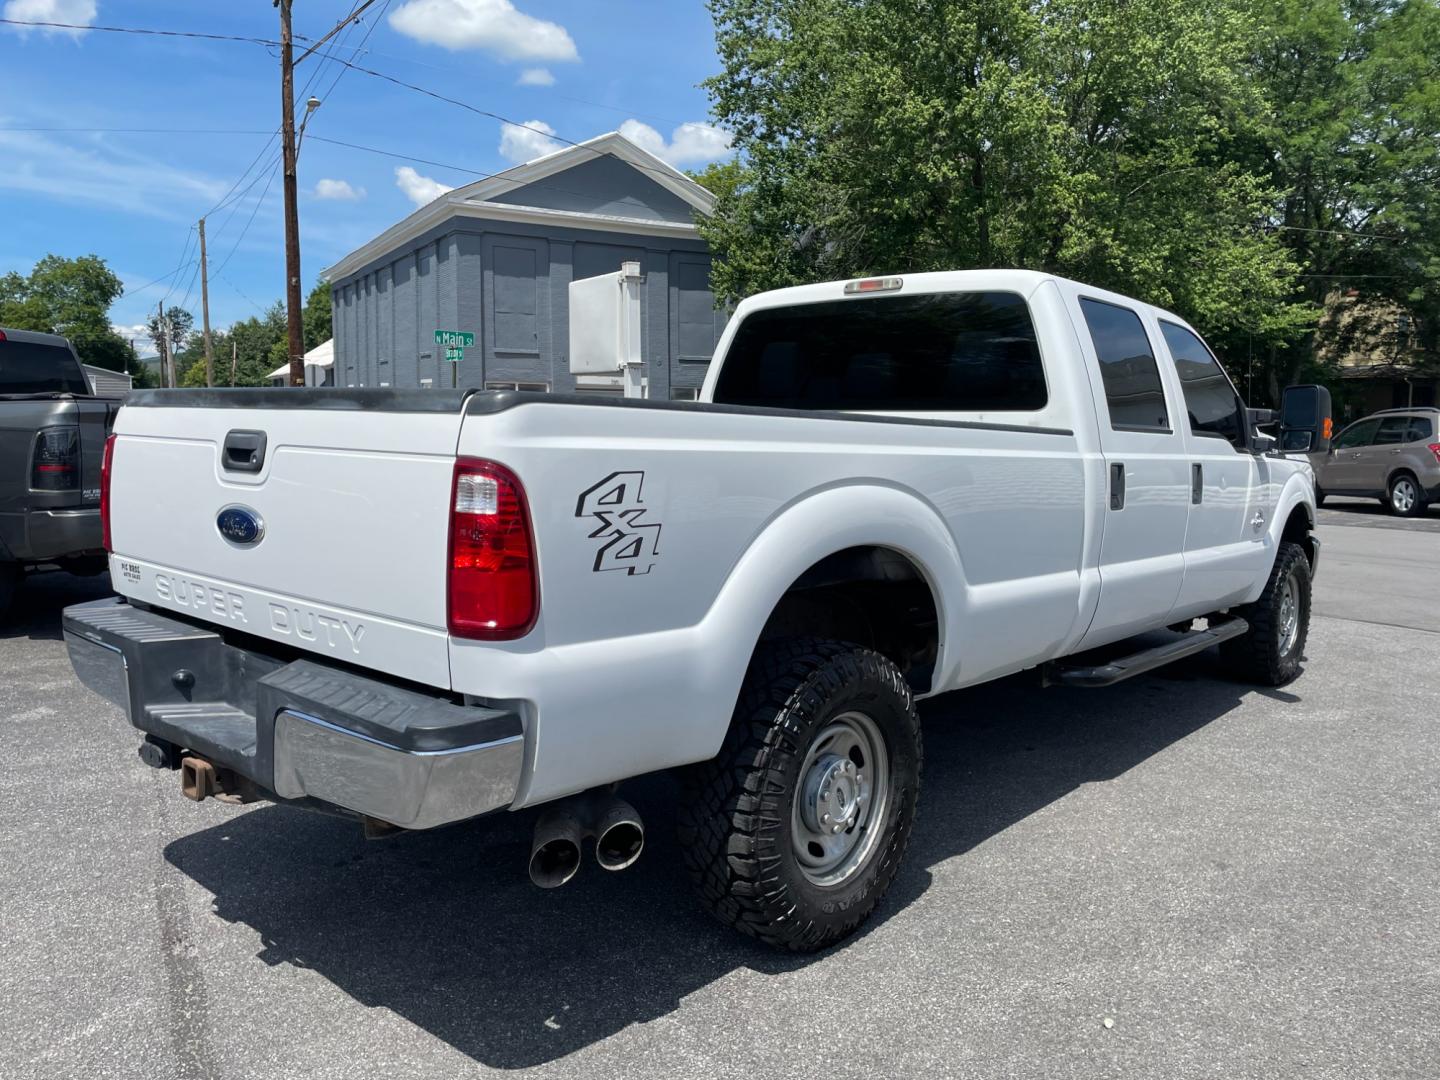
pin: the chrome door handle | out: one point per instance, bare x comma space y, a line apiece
1394, 453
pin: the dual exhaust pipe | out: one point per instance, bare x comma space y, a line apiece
555, 852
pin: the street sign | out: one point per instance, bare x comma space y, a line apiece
454, 354
463, 338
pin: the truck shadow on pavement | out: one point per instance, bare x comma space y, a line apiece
445, 930
35, 611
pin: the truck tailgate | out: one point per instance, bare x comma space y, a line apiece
351, 508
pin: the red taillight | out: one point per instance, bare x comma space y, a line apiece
1434, 448
494, 587
105, 464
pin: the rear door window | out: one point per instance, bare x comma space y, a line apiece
1127, 366
937, 352
1210, 400
1393, 430
1357, 435
28, 367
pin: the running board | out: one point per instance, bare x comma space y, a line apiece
1126, 667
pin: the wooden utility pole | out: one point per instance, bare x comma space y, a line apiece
205, 308
295, 331
234, 358
165, 377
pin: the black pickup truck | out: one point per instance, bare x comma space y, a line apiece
52, 445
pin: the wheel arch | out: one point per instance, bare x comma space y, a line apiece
868, 534
1299, 528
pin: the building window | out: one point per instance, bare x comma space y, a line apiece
516, 299
684, 393
543, 388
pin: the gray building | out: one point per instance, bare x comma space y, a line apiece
496, 257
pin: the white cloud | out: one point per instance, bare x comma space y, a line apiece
522, 143
690, 144
77, 12
535, 77
420, 190
492, 25
96, 171
338, 189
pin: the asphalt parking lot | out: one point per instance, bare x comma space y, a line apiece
1177, 877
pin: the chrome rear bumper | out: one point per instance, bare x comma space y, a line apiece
302, 730
416, 789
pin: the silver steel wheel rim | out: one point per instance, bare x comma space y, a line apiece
1402, 495
841, 801
1289, 615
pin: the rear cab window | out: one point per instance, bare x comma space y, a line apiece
1133, 390
28, 367
926, 352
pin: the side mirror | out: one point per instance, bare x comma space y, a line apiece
1305, 421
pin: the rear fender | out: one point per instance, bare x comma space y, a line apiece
807, 531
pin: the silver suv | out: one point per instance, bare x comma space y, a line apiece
1392, 455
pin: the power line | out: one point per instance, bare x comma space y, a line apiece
144, 131
1339, 232
243, 294
138, 30
157, 281
265, 191
184, 253
344, 23
662, 171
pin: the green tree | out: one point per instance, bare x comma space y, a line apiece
176, 332
70, 297
1351, 140
1081, 137
315, 316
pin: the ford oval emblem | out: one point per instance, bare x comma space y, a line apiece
240, 525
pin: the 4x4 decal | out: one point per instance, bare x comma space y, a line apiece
630, 542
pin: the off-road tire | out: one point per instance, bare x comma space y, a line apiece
1257, 656
736, 819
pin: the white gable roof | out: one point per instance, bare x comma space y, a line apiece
476, 200
322, 355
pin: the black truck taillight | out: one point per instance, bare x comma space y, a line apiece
55, 465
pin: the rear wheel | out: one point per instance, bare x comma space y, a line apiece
1270, 653
795, 830
1319, 495
1406, 498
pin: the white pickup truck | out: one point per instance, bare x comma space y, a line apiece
417, 607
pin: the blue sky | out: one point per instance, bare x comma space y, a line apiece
574, 67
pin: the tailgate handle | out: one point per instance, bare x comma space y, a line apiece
244, 451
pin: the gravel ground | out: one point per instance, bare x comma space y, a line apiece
1177, 877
